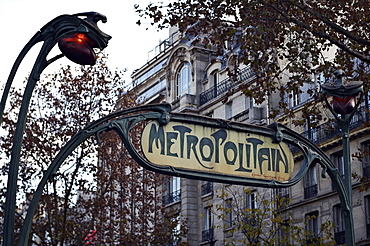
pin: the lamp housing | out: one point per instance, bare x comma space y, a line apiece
344, 94
344, 105
78, 47
78, 37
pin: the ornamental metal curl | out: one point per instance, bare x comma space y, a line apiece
159, 116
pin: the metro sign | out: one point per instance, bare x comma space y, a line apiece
216, 150
204, 148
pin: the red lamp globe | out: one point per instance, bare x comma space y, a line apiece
78, 48
344, 105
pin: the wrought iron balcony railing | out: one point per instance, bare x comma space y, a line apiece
285, 196
207, 235
330, 130
310, 191
340, 237
207, 188
246, 75
250, 219
171, 197
312, 240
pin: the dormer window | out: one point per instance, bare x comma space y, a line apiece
232, 63
183, 80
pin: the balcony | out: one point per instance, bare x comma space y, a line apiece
285, 197
165, 45
207, 235
152, 91
322, 133
310, 191
245, 75
312, 240
250, 219
171, 197
330, 130
340, 237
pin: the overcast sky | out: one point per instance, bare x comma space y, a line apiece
21, 19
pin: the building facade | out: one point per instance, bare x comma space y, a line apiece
196, 80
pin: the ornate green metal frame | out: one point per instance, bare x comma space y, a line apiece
124, 121
49, 35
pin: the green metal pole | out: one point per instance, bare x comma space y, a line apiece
10, 204
349, 230
343, 111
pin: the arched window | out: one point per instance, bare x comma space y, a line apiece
183, 80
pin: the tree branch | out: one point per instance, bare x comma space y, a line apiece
319, 34
331, 24
332, 40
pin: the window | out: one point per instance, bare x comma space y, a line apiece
183, 80
250, 206
337, 159
312, 226
249, 102
229, 213
153, 90
339, 163
228, 45
310, 183
150, 73
207, 233
366, 160
312, 129
367, 214
338, 217
295, 99
176, 230
283, 232
215, 78
232, 63
282, 195
172, 190
251, 202
229, 110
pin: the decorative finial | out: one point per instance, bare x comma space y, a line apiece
340, 81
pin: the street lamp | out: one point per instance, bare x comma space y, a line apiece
76, 37
346, 98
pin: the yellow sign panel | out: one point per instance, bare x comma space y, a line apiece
216, 150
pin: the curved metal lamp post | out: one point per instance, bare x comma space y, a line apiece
346, 98
76, 38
